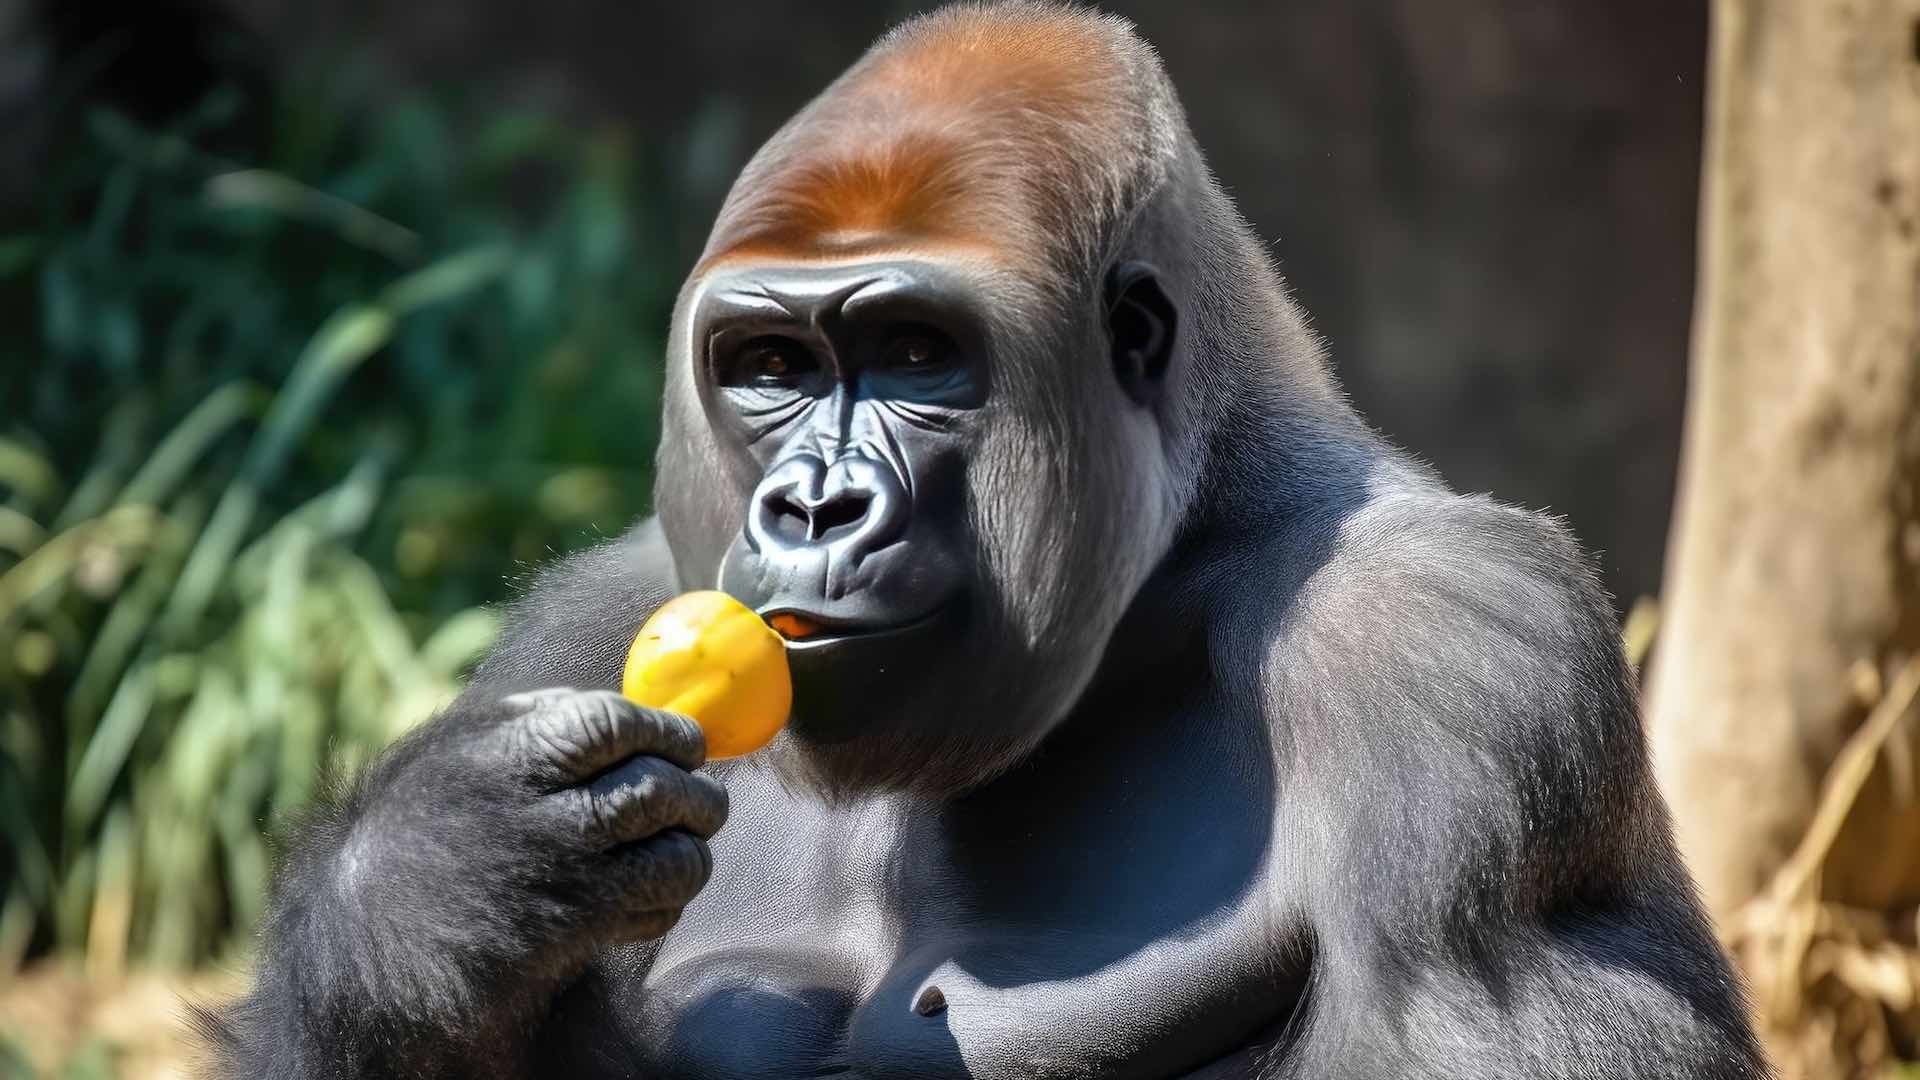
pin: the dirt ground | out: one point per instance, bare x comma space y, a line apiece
59, 1025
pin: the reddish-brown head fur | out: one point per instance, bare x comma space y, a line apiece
987, 128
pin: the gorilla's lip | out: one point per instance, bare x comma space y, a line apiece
835, 629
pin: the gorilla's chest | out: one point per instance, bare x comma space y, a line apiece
1122, 936
947, 1009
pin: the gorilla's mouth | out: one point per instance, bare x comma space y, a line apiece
806, 630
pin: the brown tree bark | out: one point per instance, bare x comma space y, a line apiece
1793, 575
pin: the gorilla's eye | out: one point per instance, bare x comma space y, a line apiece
916, 349
771, 360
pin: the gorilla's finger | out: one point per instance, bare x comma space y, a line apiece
577, 734
663, 872
643, 795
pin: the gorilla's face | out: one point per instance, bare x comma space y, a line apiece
943, 485
854, 391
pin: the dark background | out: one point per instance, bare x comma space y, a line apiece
1487, 205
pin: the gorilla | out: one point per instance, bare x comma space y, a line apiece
1153, 716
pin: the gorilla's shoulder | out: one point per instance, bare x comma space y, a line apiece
1469, 618
1462, 653
576, 616
1472, 551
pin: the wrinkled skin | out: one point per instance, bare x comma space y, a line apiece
1153, 717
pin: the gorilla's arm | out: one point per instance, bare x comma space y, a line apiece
1499, 896
577, 618
425, 918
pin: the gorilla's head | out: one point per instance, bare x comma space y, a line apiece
929, 399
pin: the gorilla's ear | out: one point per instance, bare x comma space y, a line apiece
1141, 322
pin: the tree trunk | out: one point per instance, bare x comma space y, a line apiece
1793, 576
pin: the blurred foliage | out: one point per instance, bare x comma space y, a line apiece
271, 431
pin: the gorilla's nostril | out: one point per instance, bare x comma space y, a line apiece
805, 511
788, 521
838, 514
795, 520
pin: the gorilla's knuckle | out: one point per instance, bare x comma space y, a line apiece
640, 812
647, 789
667, 733
596, 818
654, 728
546, 741
602, 715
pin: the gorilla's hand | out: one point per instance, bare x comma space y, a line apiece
485, 857
427, 919
550, 821
601, 791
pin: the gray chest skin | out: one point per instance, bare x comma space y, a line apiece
1108, 910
